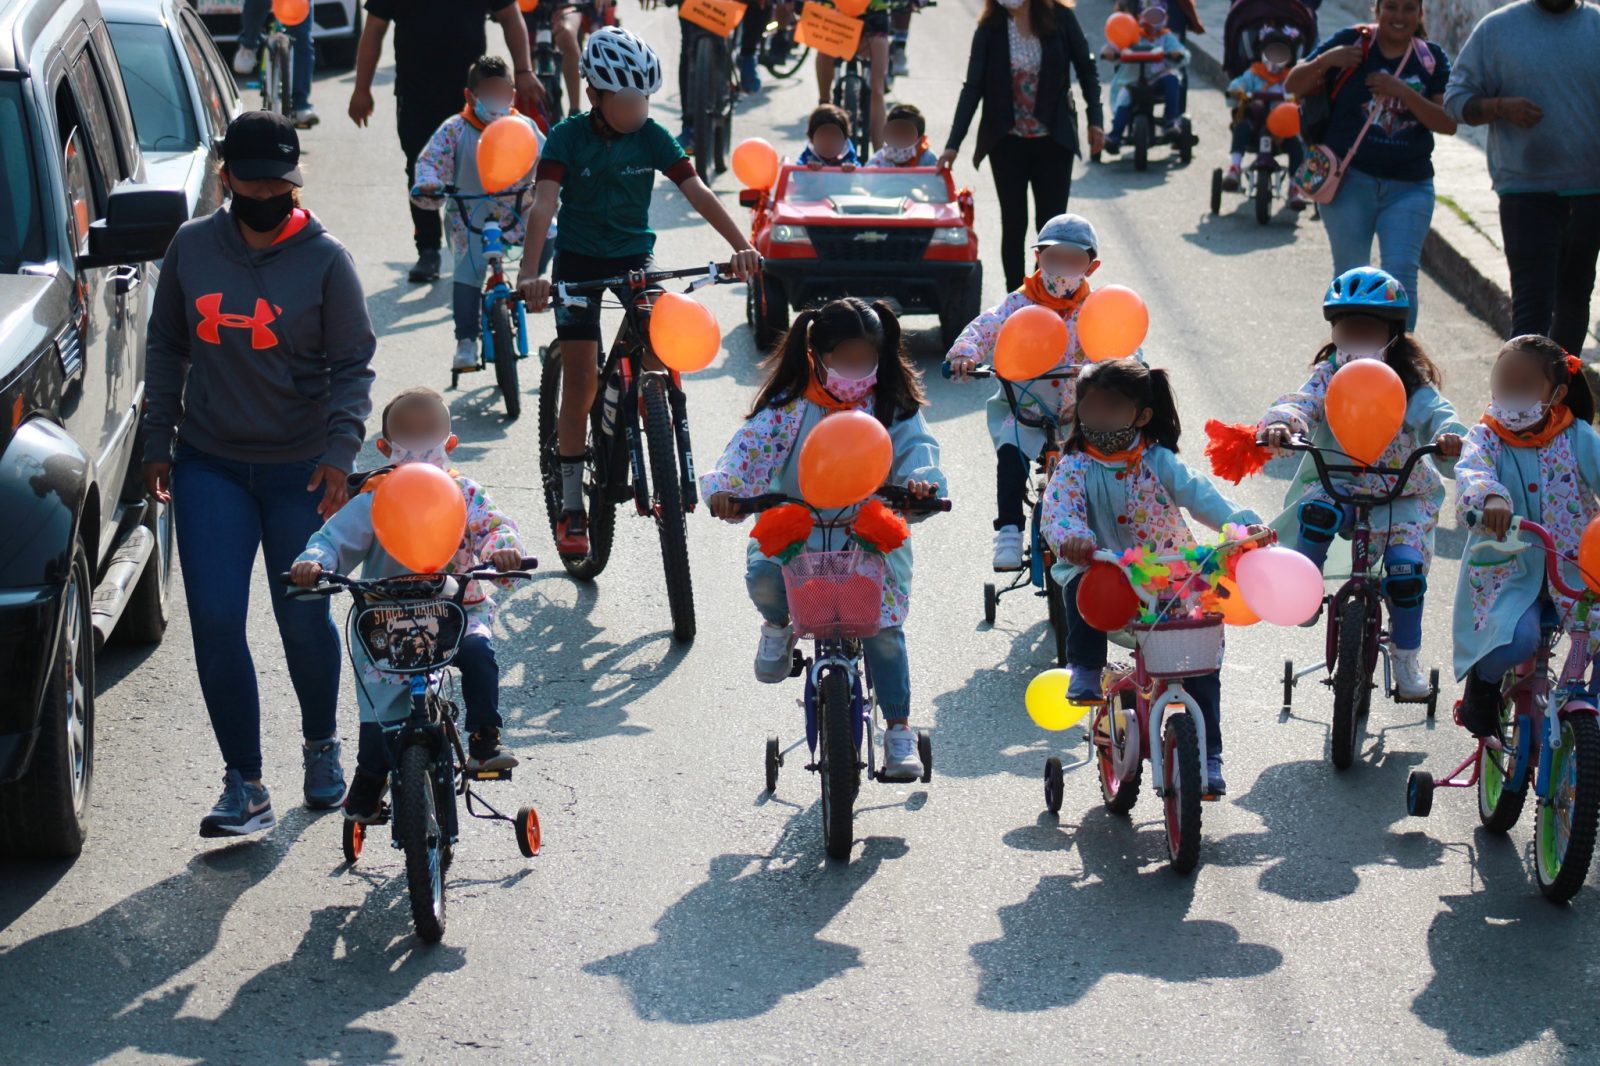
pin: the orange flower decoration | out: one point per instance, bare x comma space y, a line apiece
879, 528
782, 528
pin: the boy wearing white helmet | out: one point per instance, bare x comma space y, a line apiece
602, 164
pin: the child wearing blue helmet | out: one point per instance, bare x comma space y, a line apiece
1367, 309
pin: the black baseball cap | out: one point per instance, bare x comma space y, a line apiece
262, 144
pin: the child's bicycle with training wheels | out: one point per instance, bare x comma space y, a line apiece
1559, 751
503, 325
1357, 639
1037, 559
1173, 647
835, 598
410, 628
638, 447
1265, 179
713, 95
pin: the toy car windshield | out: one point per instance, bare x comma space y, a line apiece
861, 191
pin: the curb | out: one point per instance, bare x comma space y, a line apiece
1452, 252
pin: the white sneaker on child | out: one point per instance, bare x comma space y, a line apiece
244, 61
466, 357
775, 654
900, 761
1008, 549
1410, 682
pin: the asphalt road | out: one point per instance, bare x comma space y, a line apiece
679, 914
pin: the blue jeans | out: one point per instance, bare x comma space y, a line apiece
1171, 100
225, 510
1405, 620
252, 18
479, 673
1396, 212
885, 651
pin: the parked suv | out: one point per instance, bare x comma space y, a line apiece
82, 550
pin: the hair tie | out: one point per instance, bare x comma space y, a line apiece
1574, 365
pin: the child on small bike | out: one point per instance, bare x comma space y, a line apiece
905, 140
1367, 309
1534, 454
416, 429
845, 356
602, 164
451, 158
1065, 256
1121, 485
828, 142
1154, 36
1274, 58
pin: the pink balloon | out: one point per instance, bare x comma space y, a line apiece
1280, 585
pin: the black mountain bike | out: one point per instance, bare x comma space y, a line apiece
638, 445
713, 95
546, 57
780, 54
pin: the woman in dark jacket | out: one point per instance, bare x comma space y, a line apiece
1018, 69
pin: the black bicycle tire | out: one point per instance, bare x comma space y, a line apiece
798, 54
662, 445
415, 816
1263, 197
602, 507
1349, 674
504, 335
1585, 816
1183, 754
280, 46
707, 68
1505, 813
840, 762
1127, 794
852, 94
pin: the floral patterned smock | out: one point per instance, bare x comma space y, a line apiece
1026, 57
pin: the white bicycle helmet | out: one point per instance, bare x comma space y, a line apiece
615, 59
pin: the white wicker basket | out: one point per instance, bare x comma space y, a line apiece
1182, 648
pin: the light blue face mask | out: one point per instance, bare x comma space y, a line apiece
488, 113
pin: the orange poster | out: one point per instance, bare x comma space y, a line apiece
828, 31
720, 17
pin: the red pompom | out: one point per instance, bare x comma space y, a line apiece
1233, 450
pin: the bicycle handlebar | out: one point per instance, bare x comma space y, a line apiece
990, 372
1510, 546
895, 495
1325, 470
569, 292
329, 583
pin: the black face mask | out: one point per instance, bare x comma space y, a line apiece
263, 216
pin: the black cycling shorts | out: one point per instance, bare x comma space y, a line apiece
583, 323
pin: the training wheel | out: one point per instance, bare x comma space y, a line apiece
991, 602
1419, 794
1288, 685
1053, 784
774, 761
925, 753
528, 836
1433, 691
355, 835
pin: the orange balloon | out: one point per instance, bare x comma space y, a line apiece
1283, 121
506, 151
1112, 323
1366, 407
1589, 555
755, 164
854, 8
684, 334
1230, 604
527, 5
1122, 29
1031, 342
845, 459
419, 516
291, 12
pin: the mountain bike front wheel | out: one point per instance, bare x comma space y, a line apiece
667, 504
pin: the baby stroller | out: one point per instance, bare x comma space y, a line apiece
1251, 26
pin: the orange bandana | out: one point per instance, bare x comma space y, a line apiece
1556, 424
475, 122
1128, 457
1259, 69
1033, 288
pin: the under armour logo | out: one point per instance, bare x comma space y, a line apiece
212, 320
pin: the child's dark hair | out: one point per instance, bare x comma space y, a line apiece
1144, 386
908, 113
1405, 356
791, 370
1560, 368
406, 398
486, 67
828, 115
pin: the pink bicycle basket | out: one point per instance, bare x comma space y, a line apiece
833, 595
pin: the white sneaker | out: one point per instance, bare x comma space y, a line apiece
900, 761
775, 654
1409, 681
306, 117
466, 357
1008, 548
244, 60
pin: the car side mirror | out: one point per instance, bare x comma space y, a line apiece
752, 197
140, 222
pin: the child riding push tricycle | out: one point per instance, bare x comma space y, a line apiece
1149, 62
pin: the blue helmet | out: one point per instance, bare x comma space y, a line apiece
1366, 291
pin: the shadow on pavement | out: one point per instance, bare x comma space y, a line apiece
1238, 233
747, 937
1074, 929
1509, 966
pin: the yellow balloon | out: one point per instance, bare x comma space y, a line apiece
1047, 702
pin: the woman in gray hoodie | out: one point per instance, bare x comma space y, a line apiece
258, 385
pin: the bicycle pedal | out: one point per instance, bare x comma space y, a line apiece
1210, 797
489, 775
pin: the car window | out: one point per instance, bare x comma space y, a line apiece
95, 117
216, 87
70, 129
157, 89
926, 187
21, 229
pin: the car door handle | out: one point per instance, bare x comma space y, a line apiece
126, 279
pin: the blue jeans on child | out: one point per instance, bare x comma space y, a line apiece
1171, 101
224, 511
1086, 650
1405, 609
885, 651
1523, 643
1398, 213
466, 300
479, 672
252, 18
